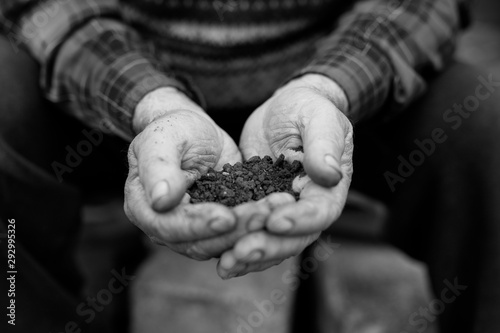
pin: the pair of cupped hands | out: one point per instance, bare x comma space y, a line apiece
177, 142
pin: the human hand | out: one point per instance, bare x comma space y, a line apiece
176, 142
304, 113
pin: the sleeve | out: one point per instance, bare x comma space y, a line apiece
92, 64
380, 49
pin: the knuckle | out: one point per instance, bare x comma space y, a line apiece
159, 227
258, 238
278, 198
135, 146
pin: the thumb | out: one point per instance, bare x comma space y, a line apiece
324, 141
158, 162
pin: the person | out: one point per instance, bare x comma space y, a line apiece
181, 79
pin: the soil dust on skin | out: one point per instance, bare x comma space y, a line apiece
251, 180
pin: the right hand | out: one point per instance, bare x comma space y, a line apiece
304, 113
177, 142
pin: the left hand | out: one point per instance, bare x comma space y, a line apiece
176, 142
305, 112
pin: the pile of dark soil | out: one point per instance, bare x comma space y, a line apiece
250, 180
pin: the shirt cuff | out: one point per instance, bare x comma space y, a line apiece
103, 71
124, 86
361, 70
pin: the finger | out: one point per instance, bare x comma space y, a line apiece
277, 199
317, 208
158, 161
324, 139
184, 223
300, 182
261, 247
207, 248
249, 217
230, 152
252, 139
243, 269
252, 216
248, 149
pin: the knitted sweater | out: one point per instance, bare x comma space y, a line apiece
100, 57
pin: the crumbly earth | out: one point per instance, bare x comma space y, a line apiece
250, 180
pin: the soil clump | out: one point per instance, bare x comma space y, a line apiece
251, 180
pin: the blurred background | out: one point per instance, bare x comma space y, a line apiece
364, 278
480, 44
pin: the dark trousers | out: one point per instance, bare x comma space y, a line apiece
46, 174
442, 191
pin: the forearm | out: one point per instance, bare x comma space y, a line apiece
92, 64
380, 48
112, 70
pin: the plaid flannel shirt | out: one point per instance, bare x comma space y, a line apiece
99, 68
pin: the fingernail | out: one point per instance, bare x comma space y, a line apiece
332, 162
227, 262
255, 255
238, 271
159, 191
220, 225
283, 225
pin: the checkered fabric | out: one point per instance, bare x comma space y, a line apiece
100, 57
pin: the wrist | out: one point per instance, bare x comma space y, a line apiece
158, 103
325, 86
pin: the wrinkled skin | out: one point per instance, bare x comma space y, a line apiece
177, 142
302, 113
